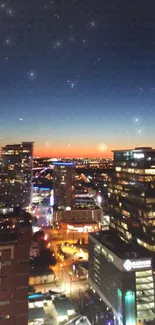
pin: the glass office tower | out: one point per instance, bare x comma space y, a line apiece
16, 174
64, 184
131, 192
122, 275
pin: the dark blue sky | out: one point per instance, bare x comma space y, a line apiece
77, 77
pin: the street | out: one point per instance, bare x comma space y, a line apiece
65, 281
89, 304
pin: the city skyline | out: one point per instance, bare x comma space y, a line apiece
77, 78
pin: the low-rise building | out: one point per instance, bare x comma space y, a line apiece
80, 269
80, 226
64, 309
40, 277
36, 316
77, 215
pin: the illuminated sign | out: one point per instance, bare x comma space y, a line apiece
80, 229
138, 155
52, 198
99, 199
136, 264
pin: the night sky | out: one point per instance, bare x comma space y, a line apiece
77, 76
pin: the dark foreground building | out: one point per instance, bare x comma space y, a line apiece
15, 239
121, 274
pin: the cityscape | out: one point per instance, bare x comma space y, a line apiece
77, 162
77, 238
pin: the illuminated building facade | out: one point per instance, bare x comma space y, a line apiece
64, 184
15, 240
131, 192
78, 215
121, 274
16, 174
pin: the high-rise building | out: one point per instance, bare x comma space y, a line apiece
121, 274
131, 192
64, 184
16, 174
15, 240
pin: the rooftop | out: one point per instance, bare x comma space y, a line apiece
147, 149
39, 271
85, 223
62, 305
119, 247
36, 313
17, 216
8, 237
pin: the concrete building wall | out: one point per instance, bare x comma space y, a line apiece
14, 275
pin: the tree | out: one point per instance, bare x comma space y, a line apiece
45, 258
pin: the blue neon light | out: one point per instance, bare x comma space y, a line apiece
42, 188
64, 163
37, 295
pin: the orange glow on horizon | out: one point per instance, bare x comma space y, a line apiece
62, 153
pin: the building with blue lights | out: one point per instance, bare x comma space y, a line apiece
121, 274
64, 184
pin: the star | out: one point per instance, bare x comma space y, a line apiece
10, 12
136, 120
31, 75
7, 41
47, 144
92, 25
71, 38
57, 16
57, 45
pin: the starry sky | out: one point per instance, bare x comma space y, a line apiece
77, 76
